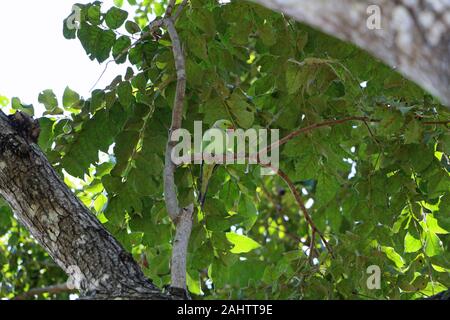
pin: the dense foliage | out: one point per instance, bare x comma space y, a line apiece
379, 190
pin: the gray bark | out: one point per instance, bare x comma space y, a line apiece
414, 35
98, 265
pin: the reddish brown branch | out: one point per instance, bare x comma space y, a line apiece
300, 203
330, 123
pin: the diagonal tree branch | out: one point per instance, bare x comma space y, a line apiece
331, 123
95, 261
414, 36
303, 209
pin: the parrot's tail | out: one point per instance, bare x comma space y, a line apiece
202, 195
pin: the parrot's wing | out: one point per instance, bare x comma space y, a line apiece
214, 141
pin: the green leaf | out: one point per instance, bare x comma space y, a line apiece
433, 225
125, 144
241, 111
125, 93
97, 99
438, 183
247, 212
194, 284
295, 78
197, 45
48, 99
413, 132
393, 256
16, 104
70, 98
327, 186
132, 27
140, 82
412, 244
391, 122
433, 245
96, 135
242, 244
4, 101
204, 20
46, 134
105, 43
96, 42
94, 15
115, 17
119, 49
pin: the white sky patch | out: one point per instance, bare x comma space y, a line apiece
236, 230
352, 173
34, 55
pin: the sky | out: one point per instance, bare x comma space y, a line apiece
35, 56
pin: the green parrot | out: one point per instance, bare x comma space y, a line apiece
217, 147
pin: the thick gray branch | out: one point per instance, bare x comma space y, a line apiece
181, 217
179, 249
95, 261
414, 35
170, 192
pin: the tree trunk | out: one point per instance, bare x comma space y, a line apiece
414, 35
96, 262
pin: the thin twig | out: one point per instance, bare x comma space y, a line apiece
312, 246
153, 26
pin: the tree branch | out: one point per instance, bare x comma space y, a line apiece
300, 203
330, 123
170, 191
55, 289
181, 217
95, 261
180, 246
414, 35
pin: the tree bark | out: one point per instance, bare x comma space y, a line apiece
414, 35
95, 261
